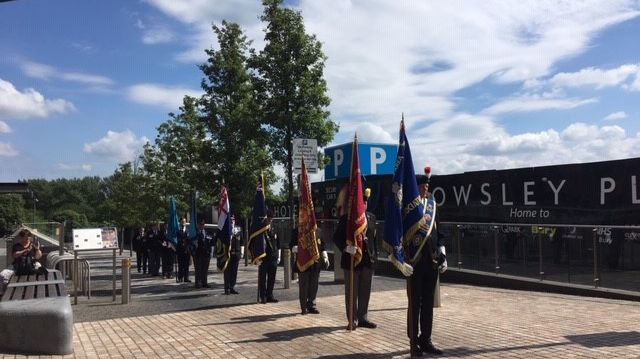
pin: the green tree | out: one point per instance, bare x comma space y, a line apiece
12, 212
231, 113
179, 162
290, 84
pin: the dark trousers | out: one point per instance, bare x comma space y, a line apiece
231, 273
142, 259
308, 287
266, 279
183, 266
167, 262
362, 278
201, 267
422, 285
154, 262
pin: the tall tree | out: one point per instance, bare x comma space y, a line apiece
12, 212
179, 162
291, 86
231, 113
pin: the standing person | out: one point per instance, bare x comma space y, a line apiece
363, 271
168, 255
309, 277
234, 253
269, 266
26, 253
182, 252
154, 245
139, 247
202, 256
422, 283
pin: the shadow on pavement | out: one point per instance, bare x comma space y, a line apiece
365, 355
606, 339
287, 335
251, 319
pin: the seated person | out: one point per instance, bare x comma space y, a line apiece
26, 253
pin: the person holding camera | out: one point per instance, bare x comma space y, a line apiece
26, 254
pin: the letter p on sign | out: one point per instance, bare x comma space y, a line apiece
378, 156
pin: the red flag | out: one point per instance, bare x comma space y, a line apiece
356, 220
308, 252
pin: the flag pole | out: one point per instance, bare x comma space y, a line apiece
351, 299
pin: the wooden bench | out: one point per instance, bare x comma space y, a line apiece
36, 315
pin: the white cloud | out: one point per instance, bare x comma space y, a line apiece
7, 150
635, 86
121, 146
28, 103
529, 103
73, 167
157, 35
46, 72
595, 77
4, 127
615, 116
162, 95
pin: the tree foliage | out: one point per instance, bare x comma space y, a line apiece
290, 84
238, 141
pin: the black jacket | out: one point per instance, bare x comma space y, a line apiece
370, 247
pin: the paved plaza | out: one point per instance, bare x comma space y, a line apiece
174, 320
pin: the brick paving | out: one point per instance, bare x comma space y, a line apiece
473, 322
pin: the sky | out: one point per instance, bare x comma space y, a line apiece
482, 84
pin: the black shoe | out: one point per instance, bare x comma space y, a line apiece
187, 281
351, 326
367, 324
272, 300
428, 347
226, 292
313, 310
304, 311
206, 286
263, 300
416, 352
197, 285
138, 270
233, 291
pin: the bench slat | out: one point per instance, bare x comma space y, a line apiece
32, 286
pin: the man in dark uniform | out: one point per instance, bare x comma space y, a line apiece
139, 247
234, 253
267, 269
202, 255
422, 283
363, 272
182, 252
154, 246
168, 255
308, 278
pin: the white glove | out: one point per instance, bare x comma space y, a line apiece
279, 257
259, 262
443, 267
442, 250
294, 249
325, 259
406, 269
351, 249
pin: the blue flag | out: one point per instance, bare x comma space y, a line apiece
257, 242
404, 220
174, 224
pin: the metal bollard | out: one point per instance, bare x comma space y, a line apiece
286, 257
126, 280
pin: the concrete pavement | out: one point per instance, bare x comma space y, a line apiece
174, 320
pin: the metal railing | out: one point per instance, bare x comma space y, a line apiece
598, 256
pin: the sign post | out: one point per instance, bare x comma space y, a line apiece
307, 149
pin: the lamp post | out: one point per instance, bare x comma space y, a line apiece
35, 200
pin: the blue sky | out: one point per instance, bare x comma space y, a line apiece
483, 85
